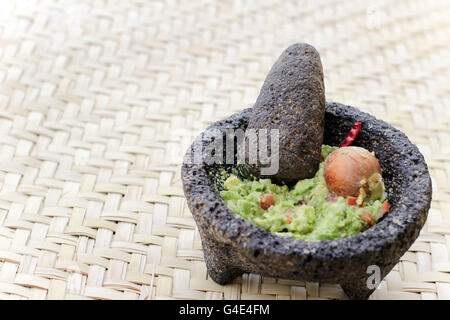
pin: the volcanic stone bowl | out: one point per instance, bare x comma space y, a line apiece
233, 245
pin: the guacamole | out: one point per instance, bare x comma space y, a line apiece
307, 211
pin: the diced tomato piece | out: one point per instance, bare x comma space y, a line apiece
366, 217
288, 216
266, 200
386, 206
351, 201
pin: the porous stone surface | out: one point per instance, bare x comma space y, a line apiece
292, 100
233, 245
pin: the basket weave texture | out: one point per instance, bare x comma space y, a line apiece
100, 99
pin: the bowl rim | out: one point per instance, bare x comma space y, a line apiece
247, 235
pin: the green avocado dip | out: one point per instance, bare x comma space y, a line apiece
307, 211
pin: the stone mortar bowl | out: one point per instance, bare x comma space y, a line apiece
233, 245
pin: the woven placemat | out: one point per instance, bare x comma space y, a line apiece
100, 99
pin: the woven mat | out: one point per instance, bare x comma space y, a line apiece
100, 99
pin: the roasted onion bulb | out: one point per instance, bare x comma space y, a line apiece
350, 169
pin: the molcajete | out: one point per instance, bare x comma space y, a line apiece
233, 245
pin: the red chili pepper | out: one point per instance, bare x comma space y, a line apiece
354, 132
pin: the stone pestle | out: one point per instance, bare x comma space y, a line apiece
292, 100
